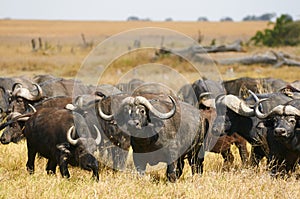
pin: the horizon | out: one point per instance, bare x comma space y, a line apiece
156, 10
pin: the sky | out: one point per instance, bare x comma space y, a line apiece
156, 10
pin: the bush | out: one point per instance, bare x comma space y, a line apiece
284, 32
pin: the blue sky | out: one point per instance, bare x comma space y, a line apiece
159, 10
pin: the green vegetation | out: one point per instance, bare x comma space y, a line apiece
285, 32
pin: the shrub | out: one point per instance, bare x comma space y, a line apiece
284, 32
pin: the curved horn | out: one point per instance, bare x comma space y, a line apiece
278, 109
205, 94
79, 101
145, 102
103, 115
2, 126
69, 137
291, 110
256, 99
40, 91
16, 85
238, 106
128, 100
98, 139
210, 102
32, 107
25, 93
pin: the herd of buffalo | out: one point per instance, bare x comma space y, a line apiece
67, 121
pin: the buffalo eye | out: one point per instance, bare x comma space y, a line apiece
14, 125
19, 100
143, 111
292, 121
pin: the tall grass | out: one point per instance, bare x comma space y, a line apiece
238, 182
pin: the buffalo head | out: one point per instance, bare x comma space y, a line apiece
284, 118
134, 113
13, 128
84, 149
222, 122
21, 97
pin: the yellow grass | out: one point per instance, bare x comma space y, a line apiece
64, 56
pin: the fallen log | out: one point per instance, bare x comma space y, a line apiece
276, 59
193, 50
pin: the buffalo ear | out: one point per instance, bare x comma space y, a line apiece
100, 94
64, 147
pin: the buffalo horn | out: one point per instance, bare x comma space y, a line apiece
32, 107
291, 110
2, 126
238, 106
98, 139
103, 115
145, 102
79, 101
276, 110
69, 137
16, 85
256, 99
40, 91
208, 102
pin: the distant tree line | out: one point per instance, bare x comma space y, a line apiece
263, 17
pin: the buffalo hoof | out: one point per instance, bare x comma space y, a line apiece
172, 177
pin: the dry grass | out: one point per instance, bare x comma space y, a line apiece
63, 57
214, 183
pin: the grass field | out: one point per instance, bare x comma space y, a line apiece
63, 54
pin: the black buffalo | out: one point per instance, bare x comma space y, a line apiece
161, 130
282, 125
202, 94
49, 132
115, 141
13, 133
6, 85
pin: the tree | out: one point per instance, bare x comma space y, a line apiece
226, 19
133, 18
202, 19
169, 19
263, 17
284, 32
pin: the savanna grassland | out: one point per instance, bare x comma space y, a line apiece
63, 53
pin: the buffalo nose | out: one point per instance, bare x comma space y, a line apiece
280, 131
134, 123
3, 140
9, 110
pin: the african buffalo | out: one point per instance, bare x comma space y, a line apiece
282, 124
50, 133
239, 87
234, 116
115, 141
201, 94
13, 131
162, 129
6, 84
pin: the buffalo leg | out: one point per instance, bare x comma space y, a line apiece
119, 157
51, 167
196, 159
171, 172
30, 162
139, 163
257, 153
228, 156
180, 166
